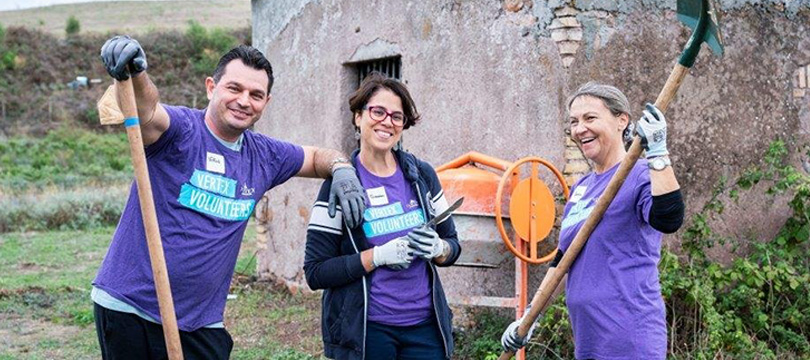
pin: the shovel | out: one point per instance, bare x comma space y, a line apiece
699, 15
128, 115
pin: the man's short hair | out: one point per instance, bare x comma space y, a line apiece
251, 57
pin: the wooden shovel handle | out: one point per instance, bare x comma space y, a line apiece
126, 101
543, 294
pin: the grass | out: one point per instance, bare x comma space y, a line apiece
46, 311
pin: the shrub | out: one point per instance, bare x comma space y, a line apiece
208, 46
756, 307
77, 209
73, 27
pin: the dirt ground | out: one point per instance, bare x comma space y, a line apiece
132, 16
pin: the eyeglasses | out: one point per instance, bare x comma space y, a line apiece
379, 113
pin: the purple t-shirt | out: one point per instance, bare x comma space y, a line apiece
204, 194
398, 298
613, 293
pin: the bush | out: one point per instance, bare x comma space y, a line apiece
73, 27
78, 209
758, 307
208, 46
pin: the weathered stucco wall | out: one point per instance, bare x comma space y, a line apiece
492, 76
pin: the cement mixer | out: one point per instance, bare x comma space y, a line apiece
507, 223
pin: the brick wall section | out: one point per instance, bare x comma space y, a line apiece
576, 166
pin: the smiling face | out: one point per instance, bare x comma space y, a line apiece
596, 130
237, 100
379, 136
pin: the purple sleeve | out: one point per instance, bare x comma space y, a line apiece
287, 160
643, 190
179, 122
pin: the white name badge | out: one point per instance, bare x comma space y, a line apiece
214, 163
377, 196
578, 192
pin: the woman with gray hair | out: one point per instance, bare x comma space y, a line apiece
612, 290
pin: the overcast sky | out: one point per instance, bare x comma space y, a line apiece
26, 4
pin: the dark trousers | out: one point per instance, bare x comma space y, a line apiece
417, 342
124, 336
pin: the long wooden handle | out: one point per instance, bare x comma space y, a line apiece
543, 294
126, 96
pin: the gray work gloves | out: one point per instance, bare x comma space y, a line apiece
652, 128
510, 341
396, 254
426, 243
123, 57
347, 189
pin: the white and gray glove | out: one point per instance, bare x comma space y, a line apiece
395, 254
652, 128
426, 243
510, 341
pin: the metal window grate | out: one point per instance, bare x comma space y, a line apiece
388, 66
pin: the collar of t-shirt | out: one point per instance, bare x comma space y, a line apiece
235, 146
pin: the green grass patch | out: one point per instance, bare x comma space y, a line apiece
46, 311
64, 158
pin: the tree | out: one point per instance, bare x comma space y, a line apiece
73, 26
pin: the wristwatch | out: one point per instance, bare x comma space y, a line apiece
659, 163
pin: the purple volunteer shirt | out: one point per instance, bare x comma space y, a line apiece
613, 293
397, 298
204, 194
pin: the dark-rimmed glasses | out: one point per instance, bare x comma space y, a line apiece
379, 113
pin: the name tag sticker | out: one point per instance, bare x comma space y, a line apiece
578, 192
214, 163
377, 196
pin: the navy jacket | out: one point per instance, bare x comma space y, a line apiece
332, 262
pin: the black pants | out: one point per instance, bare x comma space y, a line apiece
128, 336
417, 342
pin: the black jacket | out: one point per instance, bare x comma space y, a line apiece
332, 262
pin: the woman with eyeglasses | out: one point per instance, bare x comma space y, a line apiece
382, 296
612, 290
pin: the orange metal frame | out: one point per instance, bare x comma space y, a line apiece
534, 226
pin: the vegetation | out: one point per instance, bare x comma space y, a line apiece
8, 56
73, 27
37, 66
208, 46
46, 311
758, 307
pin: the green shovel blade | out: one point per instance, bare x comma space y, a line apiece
689, 13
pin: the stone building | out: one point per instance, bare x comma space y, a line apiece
492, 76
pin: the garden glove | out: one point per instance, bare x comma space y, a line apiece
652, 128
123, 57
347, 189
395, 254
510, 340
426, 243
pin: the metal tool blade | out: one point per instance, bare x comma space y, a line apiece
445, 214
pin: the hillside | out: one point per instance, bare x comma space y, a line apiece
36, 67
132, 16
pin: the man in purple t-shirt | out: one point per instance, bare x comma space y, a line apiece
208, 171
